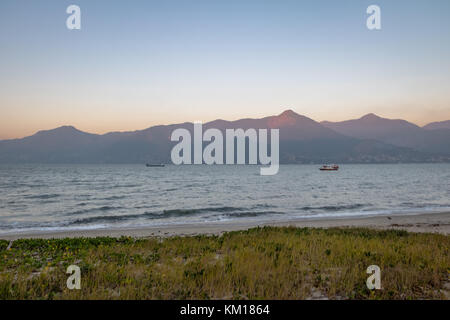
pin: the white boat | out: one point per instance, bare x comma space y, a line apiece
333, 167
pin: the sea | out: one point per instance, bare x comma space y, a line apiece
79, 197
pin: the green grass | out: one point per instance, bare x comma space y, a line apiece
260, 263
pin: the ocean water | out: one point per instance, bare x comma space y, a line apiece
71, 197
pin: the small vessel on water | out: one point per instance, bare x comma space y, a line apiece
151, 165
333, 167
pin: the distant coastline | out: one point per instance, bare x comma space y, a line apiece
370, 139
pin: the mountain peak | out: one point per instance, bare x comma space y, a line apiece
66, 128
438, 125
66, 132
370, 116
288, 113
61, 129
289, 118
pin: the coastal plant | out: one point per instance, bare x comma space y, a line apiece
259, 263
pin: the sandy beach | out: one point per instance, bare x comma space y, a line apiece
426, 222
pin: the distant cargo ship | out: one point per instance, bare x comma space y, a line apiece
154, 165
333, 167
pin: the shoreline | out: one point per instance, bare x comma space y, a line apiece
422, 222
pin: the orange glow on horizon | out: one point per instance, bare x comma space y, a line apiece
14, 128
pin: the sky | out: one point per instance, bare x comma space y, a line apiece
135, 64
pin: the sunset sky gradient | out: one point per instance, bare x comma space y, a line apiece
139, 63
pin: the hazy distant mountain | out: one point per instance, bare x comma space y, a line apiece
302, 140
396, 132
293, 125
371, 126
437, 125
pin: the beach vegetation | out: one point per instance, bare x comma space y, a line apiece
259, 263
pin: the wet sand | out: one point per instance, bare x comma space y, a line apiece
427, 222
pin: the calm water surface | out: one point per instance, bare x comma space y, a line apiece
59, 197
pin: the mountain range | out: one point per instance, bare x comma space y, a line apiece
369, 139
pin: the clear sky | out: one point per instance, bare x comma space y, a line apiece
135, 64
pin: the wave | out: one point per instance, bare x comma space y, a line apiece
43, 196
182, 212
251, 214
100, 222
90, 210
425, 205
174, 213
113, 198
224, 209
335, 208
104, 219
